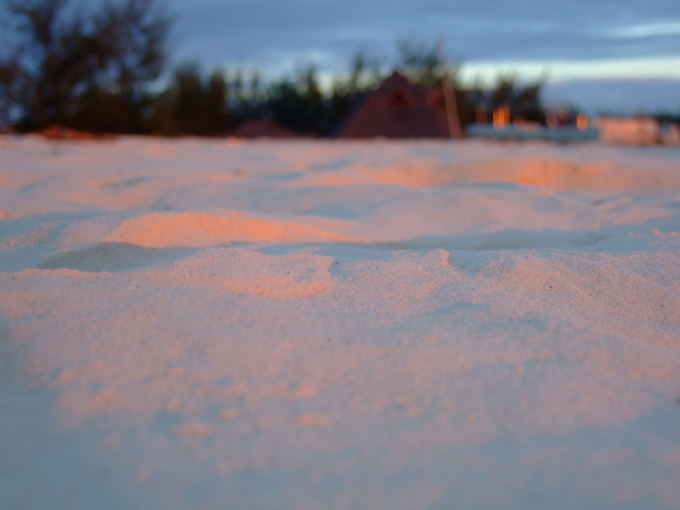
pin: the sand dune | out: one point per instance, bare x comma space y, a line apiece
229, 324
191, 229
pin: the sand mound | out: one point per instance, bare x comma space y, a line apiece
200, 230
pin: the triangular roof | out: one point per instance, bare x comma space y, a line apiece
399, 109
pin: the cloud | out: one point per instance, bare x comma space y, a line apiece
645, 30
276, 33
617, 95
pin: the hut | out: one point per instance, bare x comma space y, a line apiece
400, 109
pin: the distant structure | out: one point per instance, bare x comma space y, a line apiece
262, 129
670, 134
501, 116
629, 130
401, 109
565, 116
562, 125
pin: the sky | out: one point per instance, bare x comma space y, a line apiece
635, 42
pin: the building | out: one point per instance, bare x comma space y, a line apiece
629, 130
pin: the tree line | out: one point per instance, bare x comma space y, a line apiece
104, 68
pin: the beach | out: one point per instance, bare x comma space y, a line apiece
306, 324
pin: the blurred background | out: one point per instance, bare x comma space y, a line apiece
207, 67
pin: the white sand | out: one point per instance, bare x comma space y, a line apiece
316, 325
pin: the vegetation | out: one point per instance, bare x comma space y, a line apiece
193, 104
88, 68
104, 69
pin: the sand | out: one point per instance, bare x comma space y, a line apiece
319, 325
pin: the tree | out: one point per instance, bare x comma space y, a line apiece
298, 103
11, 75
193, 104
421, 62
86, 68
523, 100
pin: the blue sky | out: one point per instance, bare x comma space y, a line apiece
573, 40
